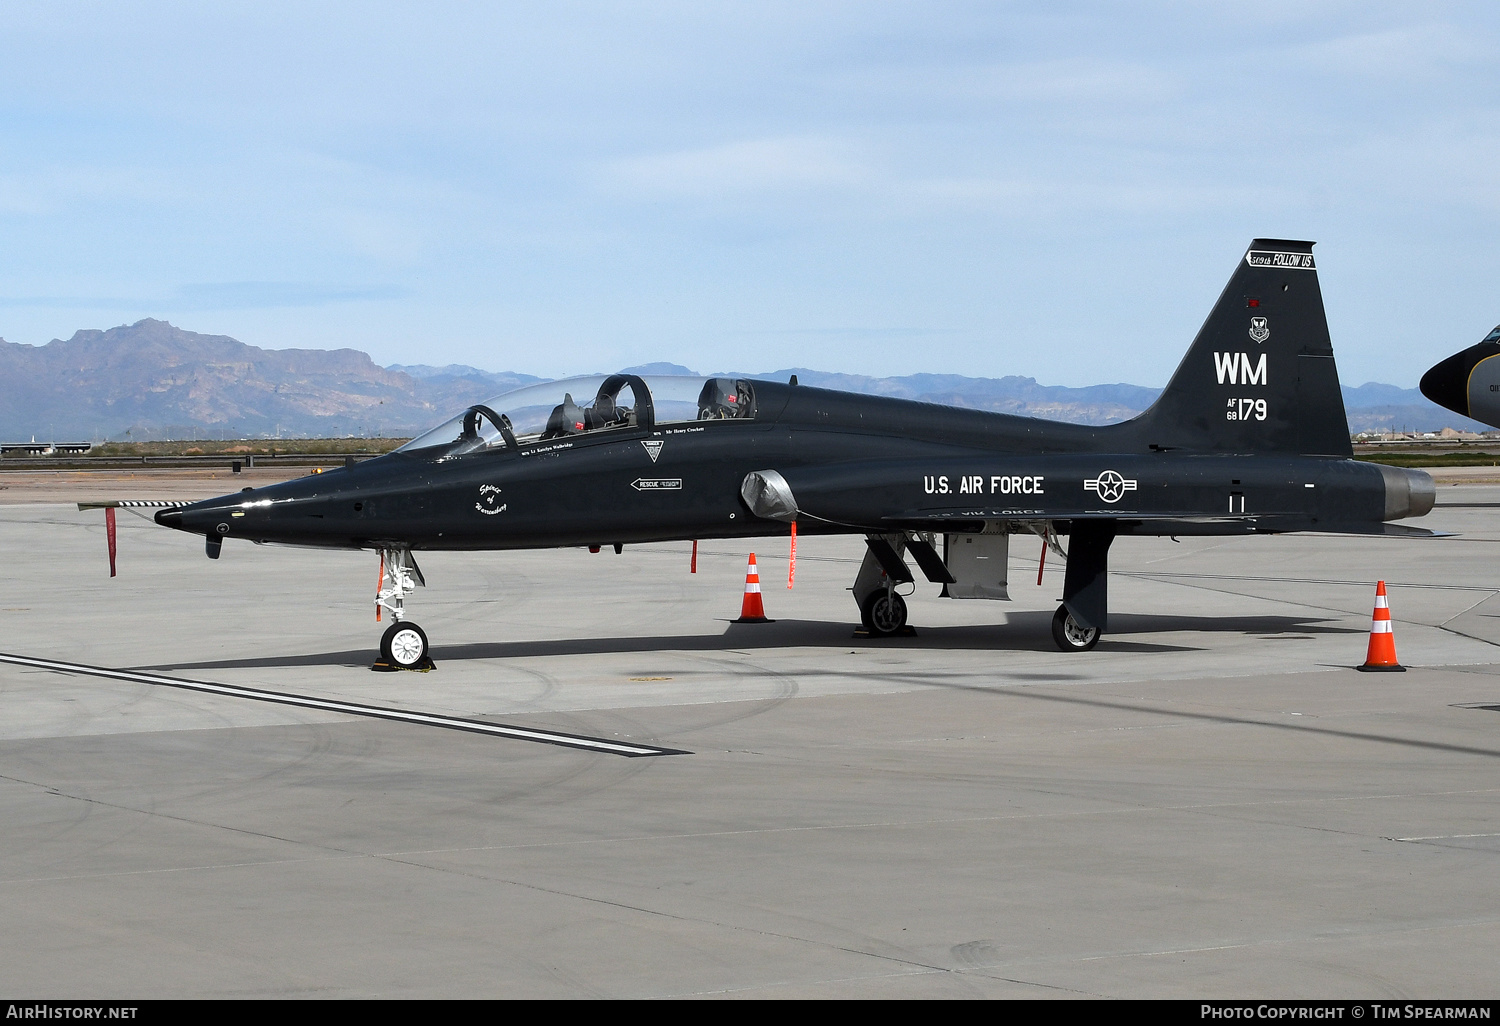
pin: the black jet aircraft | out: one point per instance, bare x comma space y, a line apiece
1248, 437
1468, 383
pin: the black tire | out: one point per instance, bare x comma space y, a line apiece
1070, 635
404, 644
884, 613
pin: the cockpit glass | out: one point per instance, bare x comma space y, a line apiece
576, 406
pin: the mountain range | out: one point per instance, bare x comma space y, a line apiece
152, 380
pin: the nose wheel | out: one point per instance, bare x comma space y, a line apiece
404, 647
1070, 635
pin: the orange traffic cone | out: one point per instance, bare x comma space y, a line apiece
752, 610
1382, 654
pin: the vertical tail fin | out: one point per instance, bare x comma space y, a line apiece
1260, 376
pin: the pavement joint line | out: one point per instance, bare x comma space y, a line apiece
203, 868
991, 970
912, 824
1052, 960
955, 971
1349, 930
1464, 634
579, 741
1246, 721
406, 857
915, 967
681, 917
1186, 581
1464, 611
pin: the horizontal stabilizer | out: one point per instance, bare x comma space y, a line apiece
1386, 530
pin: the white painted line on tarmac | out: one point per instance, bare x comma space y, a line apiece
546, 737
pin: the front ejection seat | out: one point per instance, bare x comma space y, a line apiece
567, 419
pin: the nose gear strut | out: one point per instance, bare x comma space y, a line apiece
404, 644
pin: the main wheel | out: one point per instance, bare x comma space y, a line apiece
884, 612
404, 644
1070, 635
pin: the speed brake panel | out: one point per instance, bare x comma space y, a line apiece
978, 563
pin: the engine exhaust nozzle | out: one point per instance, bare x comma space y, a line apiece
1408, 493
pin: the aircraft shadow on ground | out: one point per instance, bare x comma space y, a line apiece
1027, 631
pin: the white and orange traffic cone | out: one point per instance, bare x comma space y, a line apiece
1382, 654
752, 610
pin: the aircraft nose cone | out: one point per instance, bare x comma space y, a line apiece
199, 517
1447, 383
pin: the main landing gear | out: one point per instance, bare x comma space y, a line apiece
404, 644
883, 612
973, 566
1082, 618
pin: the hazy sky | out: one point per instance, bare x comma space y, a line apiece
1055, 190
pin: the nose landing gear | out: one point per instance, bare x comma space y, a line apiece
404, 647
404, 644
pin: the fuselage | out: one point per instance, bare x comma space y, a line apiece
855, 464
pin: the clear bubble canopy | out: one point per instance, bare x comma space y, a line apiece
575, 406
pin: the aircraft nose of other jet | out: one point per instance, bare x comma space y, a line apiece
1447, 383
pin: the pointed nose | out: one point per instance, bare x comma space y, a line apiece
1447, 383
211, 516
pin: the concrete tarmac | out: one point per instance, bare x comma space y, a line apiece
1210, 804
